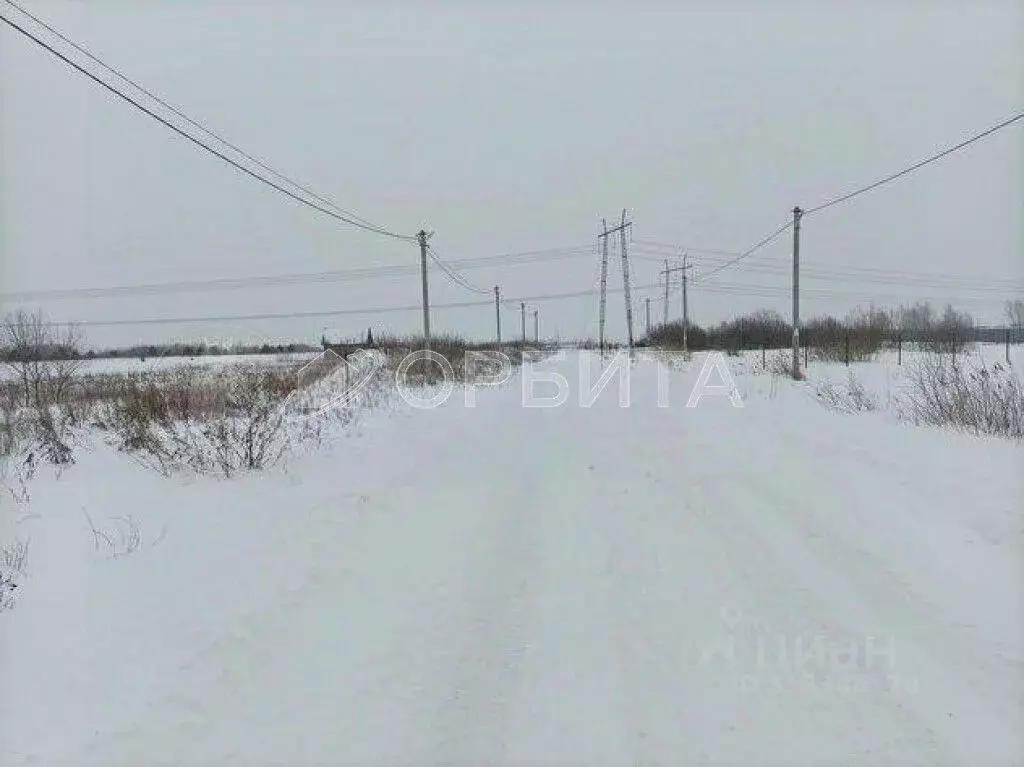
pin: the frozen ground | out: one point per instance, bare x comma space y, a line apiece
773, 584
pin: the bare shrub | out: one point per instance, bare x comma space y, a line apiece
953, 333
17, 461
851, 398
858, 338
947, 391
53, 437
949, 333
205, 421
757, 330
1014, 311
9, 422
780, 363
43, 357
13, 561
7, 588
249, 433
14, 556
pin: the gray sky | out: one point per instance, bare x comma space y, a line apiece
509, 127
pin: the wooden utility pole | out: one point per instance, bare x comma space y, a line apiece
497, 312
647, 303
522, 311
797, 213
604, 282
536, 328
422, 238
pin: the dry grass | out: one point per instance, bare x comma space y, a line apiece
452, 360
13, 563
851, 398
208, 421
223, 419
949, 391
122, 538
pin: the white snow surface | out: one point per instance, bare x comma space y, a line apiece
772, 584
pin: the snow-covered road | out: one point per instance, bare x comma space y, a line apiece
775, 584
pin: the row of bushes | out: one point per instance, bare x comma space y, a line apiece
857, 337
213, 419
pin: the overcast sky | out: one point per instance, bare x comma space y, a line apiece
507, 127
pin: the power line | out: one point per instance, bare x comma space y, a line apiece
658, 245
915, 166
779, 292
352, 221
739, 289
334, 275
270, 315
767, 291
862, 190
748, 252
454, 276
325, 313
845, 273
188, 119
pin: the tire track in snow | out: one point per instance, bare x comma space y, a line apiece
784, 603
870, 595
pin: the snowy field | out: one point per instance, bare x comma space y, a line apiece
777, 583
885, 377
158, 364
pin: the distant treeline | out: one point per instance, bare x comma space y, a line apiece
187, 349
28, 337
857, 336
26, 352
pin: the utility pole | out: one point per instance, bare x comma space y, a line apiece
522, 310
665, 321
422, 237
647, 302
668, 277
536, 328
797, 213
604, 282
497, 312
625, 279
686, 308
625, 275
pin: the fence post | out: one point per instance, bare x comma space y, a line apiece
847, 346
807, 345
899, 348
1007, 336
